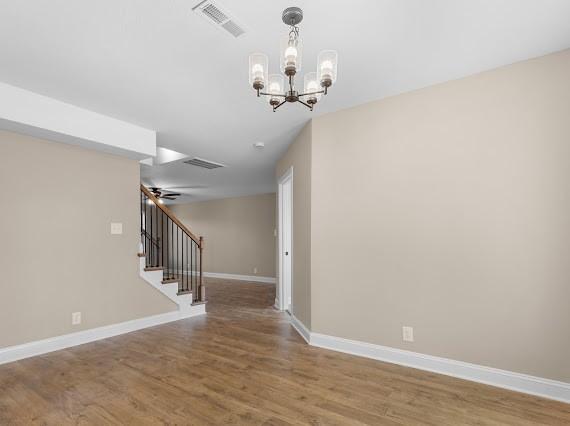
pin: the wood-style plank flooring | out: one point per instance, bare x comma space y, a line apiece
244, 364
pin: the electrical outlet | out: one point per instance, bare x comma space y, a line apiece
116, 228
255, 270
408, 334
76, 318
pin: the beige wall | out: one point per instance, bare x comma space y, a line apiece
56, 253
448, 209
298, 157
238, 233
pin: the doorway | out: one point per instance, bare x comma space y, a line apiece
285, 209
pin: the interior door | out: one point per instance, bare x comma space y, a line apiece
287, 246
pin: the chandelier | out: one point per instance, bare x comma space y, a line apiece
315, 83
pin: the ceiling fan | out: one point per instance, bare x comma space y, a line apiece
160, 194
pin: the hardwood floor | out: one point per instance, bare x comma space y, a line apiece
244, 364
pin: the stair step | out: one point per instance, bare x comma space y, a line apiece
154, 268
198, 302
181, 292
141, 254
170, 280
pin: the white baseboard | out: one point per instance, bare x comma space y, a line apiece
301, 329
538, 386
39, 347
254, 278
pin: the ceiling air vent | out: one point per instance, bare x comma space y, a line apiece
200, 162
216, 15
233, 28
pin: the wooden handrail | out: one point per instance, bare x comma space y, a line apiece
168, 212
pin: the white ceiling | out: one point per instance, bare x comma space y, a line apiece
158, 65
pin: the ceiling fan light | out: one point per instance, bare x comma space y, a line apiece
258, 70
327, 61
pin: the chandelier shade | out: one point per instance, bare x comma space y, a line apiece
291, 52
280, 88
312, 88
275, 87
258, 69
326, 65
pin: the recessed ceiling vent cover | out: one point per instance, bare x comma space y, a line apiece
200, 162
219, 17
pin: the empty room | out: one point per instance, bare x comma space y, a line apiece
257, 212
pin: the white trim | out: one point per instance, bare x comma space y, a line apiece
280, 291
39, 347
301, 329
255, 278
546, 388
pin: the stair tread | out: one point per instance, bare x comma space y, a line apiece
141, 254
181, 292
154, 268
170, 281
198, 302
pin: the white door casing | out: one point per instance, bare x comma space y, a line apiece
285, 243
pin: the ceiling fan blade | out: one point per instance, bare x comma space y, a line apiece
171, 188
167, 198
173, 194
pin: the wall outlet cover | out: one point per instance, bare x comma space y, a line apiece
76, 318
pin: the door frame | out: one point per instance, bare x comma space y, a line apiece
281, 303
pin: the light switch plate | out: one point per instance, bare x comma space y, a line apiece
76, 318
116, 228
408, 334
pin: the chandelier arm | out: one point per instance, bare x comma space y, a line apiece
311, 93
306, 104
273, 94
275, 107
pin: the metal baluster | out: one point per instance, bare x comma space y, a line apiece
146, 248
182, 261
151, 235
195, 289
177, 252
187, 265
141, 222
171, 249
200, 277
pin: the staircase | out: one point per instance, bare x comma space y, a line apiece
171, 255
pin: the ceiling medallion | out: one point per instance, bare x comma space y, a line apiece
315, 83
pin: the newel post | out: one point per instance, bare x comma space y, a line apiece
202, 291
